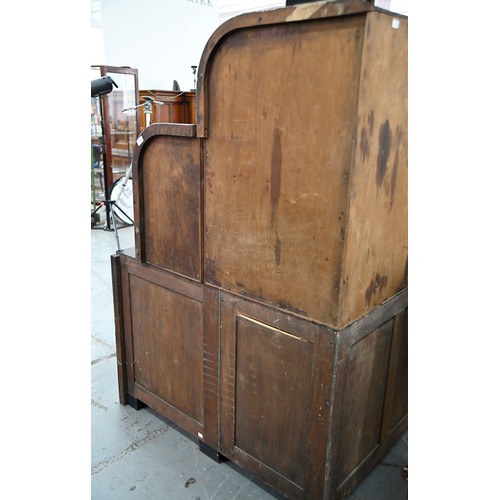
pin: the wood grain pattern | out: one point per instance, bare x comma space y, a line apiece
119, 329
168, 345
170, 198
265, 308
363, 402
275, 395
277, 162
396, 398
163, 336
376, 239
178, 107
211, 301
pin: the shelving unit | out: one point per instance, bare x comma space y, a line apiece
178, 106
118, 132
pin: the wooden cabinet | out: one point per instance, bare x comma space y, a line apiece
264, 306
119, 129
178, 106
276, 394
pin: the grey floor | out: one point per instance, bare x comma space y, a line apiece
138, 454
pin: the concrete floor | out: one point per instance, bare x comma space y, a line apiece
138, 454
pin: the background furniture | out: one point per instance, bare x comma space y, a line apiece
178, 106
264, 307
120, 129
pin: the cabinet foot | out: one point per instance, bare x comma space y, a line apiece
135, 403
209, 451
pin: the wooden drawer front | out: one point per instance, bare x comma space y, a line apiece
164, 336
275, 395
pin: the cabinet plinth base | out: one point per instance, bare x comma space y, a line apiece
209, 451
135, 403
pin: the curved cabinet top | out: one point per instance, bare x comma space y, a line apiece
297, 13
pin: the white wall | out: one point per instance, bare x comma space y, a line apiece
162, 39
231, 8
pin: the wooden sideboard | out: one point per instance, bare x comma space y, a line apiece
264, 306
178, 106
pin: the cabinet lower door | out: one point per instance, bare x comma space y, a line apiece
164, 346
276, 385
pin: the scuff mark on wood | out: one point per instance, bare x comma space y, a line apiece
277, 250
364, 145
276, 164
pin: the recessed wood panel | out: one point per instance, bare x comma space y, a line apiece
376, 254
396, 399
363, 402
170, 176
272, 393
167, 336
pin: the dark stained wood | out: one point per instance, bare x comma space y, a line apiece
290, 15
270, 391
265, 308
275, 395
319, 433
284, 199
376, 249
163, 325
308, 189
364, 398
167, 344
364, 326
119, 332
396, 399
370, 364
169, 204
211, 300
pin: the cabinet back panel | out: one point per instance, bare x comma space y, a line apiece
282, 124
170, 173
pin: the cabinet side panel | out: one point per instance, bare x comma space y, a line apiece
171, 219
377, 239
276, 395
363, 401
282, 123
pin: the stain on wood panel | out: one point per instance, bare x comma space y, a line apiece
277, 162
211, 321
